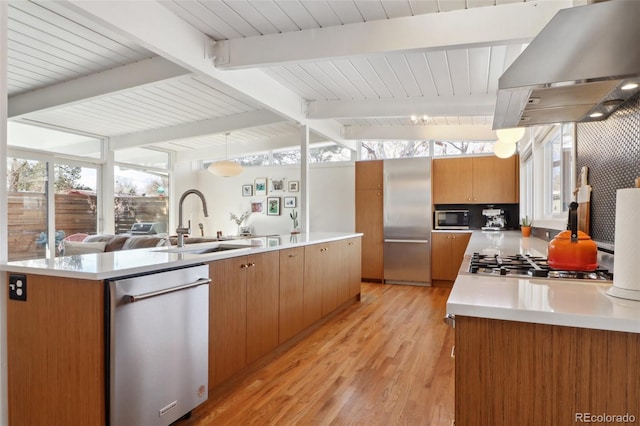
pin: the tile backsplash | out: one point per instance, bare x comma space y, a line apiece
611, 150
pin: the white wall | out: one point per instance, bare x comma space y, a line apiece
332, 200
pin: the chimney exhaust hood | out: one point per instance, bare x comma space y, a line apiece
584, 64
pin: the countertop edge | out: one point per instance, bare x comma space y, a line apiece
164, 260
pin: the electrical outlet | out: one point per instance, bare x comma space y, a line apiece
18, 287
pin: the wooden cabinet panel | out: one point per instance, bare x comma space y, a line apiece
313, 276
369, 221
512, 373
475, 180
263, 296
447, 252
56, 353
227, 318
291, 317
369, 174
495, 180
452, 180
349, 275
349, 269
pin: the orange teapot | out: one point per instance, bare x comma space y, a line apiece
573, 250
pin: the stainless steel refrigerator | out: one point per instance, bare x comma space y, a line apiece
407, 221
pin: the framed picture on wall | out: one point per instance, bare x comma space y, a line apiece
289, 202
273, 206
247, 190
261, 186
257, 207
277, 185
294, 186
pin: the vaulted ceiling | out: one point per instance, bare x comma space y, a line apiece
180, 74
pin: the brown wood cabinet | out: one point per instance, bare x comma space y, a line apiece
476, 180
369, 174
447, 252
243, 319
349, 276
320, 281
263, 303
369, 217
227, 319
56, 353
515, 373
291, 316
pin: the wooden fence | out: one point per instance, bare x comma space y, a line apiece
75, 213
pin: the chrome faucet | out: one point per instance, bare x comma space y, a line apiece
181, 230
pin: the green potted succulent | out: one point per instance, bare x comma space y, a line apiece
525, 226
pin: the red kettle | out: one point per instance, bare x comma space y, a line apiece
573, 250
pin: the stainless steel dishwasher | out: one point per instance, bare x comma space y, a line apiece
158, 331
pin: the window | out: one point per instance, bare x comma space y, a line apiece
444, 148
379, 150
75, 204
27, 208
140, 196
558, 155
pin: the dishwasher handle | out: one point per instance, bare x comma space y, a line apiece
139, 297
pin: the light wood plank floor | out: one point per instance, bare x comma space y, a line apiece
383, 361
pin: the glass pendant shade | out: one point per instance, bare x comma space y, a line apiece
225, 168
504, 149
510, 135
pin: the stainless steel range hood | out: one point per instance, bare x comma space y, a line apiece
575, 69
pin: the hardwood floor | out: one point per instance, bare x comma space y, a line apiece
383, 361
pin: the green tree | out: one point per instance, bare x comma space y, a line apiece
67, 178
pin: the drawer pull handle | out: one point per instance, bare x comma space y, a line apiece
453, 352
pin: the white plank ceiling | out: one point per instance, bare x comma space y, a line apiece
79, 68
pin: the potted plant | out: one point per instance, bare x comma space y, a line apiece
294, 217
525, 226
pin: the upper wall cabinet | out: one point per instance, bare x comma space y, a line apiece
369, 174
475, 180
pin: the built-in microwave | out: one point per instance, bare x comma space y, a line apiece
452, 219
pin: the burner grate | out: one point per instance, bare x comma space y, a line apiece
524, 265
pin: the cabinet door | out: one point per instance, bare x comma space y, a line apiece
452, 180
440, 255
314, 276
227, 318
263, 296
495, 180
369, 174
459, 242
291, 292
447, 253
349, 269
369, 217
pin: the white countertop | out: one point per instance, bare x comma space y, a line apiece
101, 266
572, 303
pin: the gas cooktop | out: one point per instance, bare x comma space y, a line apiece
526, 266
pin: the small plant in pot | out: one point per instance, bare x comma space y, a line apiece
525, 226
294, 217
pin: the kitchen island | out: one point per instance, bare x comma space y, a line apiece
540, 350
264, 293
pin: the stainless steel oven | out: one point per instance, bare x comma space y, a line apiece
451, 219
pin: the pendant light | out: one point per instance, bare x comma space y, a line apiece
504, 149
510, 135
226, 167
